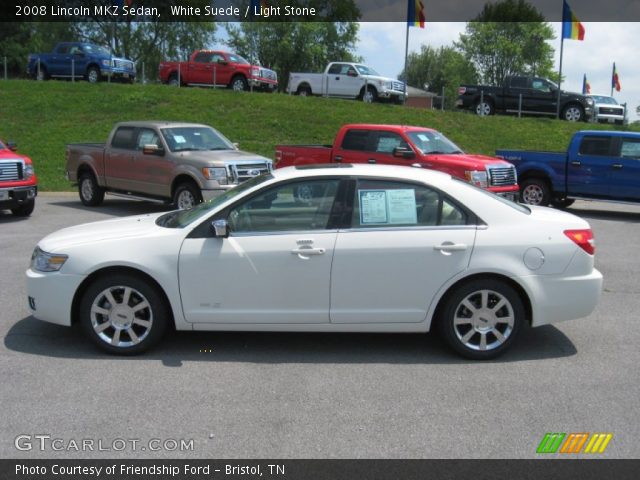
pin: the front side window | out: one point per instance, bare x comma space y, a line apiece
388, 141
147, 136
299, 206
381, 203
237, 59
630, 149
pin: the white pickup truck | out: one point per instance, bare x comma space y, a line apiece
348, 80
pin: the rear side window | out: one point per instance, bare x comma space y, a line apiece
595, 145
519, 82
381, 203
355, 140
203, 57
124, 138
335, 69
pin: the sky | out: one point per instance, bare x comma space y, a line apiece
382, 47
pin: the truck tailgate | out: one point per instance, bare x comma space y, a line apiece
288, 155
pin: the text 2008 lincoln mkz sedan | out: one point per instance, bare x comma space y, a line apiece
372, 249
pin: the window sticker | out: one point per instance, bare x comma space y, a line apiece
179, 139
423, 137
387, 207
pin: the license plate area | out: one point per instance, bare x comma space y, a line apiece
4, 195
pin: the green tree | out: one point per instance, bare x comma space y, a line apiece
508, 38
438, 68
287, 46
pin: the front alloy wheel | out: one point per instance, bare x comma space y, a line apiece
482, 318
572, 113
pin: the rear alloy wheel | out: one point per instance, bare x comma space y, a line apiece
535, 191
93, 75
25, 209
484, 108
370, 95
304, 91
573, 113
91, 194
123, 314
186, 196
482, 318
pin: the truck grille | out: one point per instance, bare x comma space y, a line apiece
397, 86
269, 74
243, 172
10, 171
124, 64
501, 176
611, 111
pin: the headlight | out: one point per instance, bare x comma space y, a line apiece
106, 63
47, 262
28, 172
218, 174
590, 101
477, 177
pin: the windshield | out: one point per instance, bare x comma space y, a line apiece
364, 70
236, 58
96, 49
603, 99
182, 218
184, 139
433, 142
2, 147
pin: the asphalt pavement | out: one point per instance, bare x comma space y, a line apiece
275, 395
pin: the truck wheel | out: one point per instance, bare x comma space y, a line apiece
25, 209
41, 75
186, 196
123, 314
370, 95
481, 319
304, 91
484, 108
573, 113
239, 84
535, 191
93, 75
91, 194
173, 80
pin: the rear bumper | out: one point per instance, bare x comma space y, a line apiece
13, 197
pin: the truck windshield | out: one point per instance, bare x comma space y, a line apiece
603, 99
183, 139
364, 70
97, 49
182, 218
433, 142
236, 58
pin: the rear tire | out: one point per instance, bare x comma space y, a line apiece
187, 195
25, 209
535, 191
123, 314
304, 91
93, 75
91, 194
484, 108
481, 319
173, 80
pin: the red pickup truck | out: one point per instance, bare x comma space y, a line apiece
404, 145
214, 68
18, 182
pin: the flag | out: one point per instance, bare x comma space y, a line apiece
571, 26
586, 86
415, 14
615, 80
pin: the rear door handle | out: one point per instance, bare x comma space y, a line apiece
372, 160
338, 158
576, 163
448, 247
617, 165
305, 252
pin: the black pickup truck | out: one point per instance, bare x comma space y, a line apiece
539, 97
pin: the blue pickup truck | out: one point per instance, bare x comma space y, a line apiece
80, 60
599, 165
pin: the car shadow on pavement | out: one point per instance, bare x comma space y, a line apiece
118, 207
34, 337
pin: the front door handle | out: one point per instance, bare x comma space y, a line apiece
447, 247
305, 252
337, 158
576, 163
372, 160
617, 165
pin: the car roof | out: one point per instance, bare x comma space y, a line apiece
159, 124
394, 128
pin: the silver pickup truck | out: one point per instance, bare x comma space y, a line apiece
182, 163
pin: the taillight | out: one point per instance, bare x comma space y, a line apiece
278, 156
462, 90
583, 238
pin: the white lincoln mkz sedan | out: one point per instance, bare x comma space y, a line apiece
372, 248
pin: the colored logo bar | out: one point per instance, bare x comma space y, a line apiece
574, 443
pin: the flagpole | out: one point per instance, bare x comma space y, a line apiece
612, 74
406, 55
560, 75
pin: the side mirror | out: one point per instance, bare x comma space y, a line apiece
403, 152
236, 144
220, 228
13, 146
152, 149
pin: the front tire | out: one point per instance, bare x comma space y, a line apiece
91, 194
93, 75
573, 113
186, 196
481, 319
370, 95
123, 314
25, 209
239, 84
535, 191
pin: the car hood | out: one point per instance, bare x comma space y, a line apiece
96, 232
468, 160
382, 79
223, 157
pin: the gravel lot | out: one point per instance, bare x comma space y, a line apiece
262, 395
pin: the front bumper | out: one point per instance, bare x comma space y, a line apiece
50, 295
263, 84
13, 197
120, 73
609, 118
